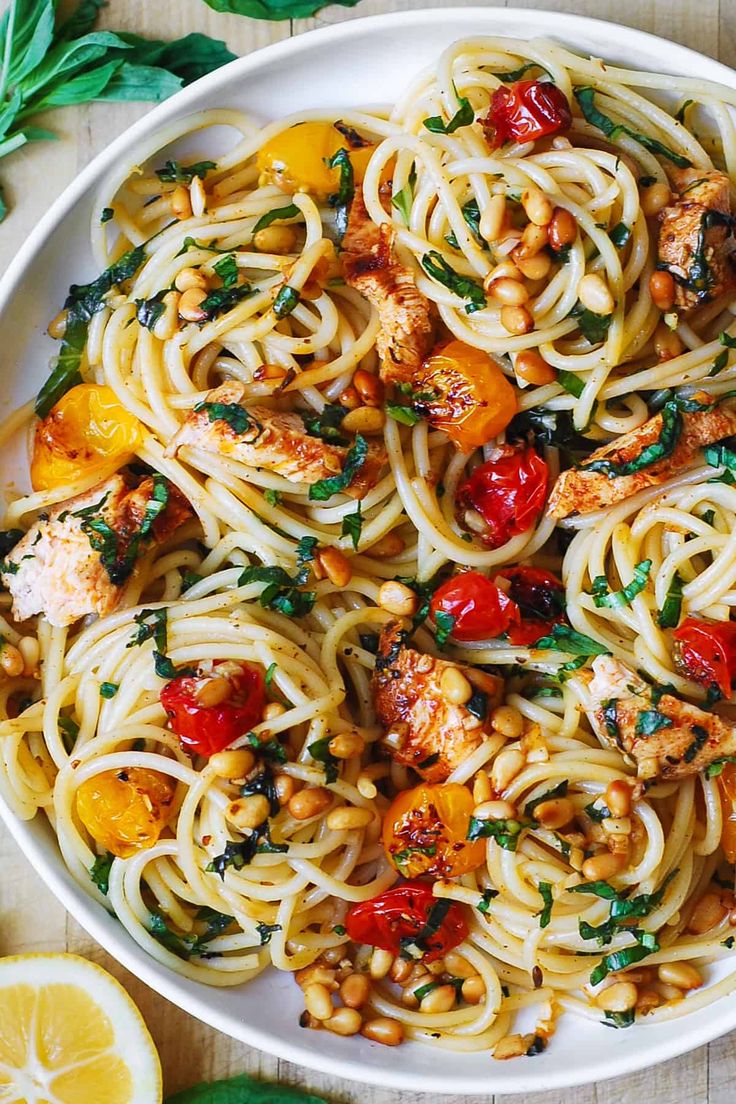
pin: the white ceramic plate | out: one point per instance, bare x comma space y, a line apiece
358, 62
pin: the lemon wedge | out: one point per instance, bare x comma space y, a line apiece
70, 1034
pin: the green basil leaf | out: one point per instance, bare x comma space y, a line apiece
586, 100
464, 116
603, 596
652, 454
285, 302
571, 383
620, 235
274, 9
100, 871
324, 489
545, 890
564, 639
650, 721
435, 265
506, 833
352, 526
289, 211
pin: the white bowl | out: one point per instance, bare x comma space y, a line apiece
357, 62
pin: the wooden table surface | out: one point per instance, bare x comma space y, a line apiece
30, 917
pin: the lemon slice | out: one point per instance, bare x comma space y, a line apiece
70, 1034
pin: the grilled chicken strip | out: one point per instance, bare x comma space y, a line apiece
76, 561
265, 438
406, 333
668, 739
582, 490
695, 238
424, 730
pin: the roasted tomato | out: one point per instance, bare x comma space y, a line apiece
727, 786
425, 830
125, 810
705, 651
480, 610
464, 393
540, 597
208, 712
508, 492
88, 432
526, 110
296, 159
408, 919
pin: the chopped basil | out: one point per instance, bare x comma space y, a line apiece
477, 704
324, 489
652, 454
619, 1019
720, 456
485, 901
281, 592
227, 269
564, 639
571, 383
263, 784
190, 579
604, 596
108, 689
560, 790
435, 265
406, 415
401, 858
342, 199
173, 172
471, 214
270, 749
271, 496
464, 116
444, 624
289, 211
265, 931
106, 214
352, 526
320, 752
151, 624
285, 302
327, 423
727, 340
650, 721
99, 872
716, 767
669, 616
586, 100
517, 74
545, 890
232, 414
505, 832
619, 960
305, 550
620, 235
594, 327
223, 299
597, 813
148, 311
403, 200
719, 363
415, 947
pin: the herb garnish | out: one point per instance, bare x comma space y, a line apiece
545, 890
324, 489
289, 211
282, 591
505, 832
464, 116
352, 526
173, 172
99, 872
227, 269
435, 265
234, 415
342, 199
285, 302
320, 751
604, 596
652, 454
586, 99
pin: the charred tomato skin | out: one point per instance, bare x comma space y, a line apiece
404, 913
705, 651
508, 491
425, 832
526, 110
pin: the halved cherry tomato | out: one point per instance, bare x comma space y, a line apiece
408, 918
474, 400
297, 158
705, 651
88, 432
727, 786
205, 729
425, 832
507, 491
540, 596
480, 610
526, 110
125, 811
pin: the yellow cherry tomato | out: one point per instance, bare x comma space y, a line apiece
125, 811
474, 401
296, 159
88, 432
425, 830
727, 786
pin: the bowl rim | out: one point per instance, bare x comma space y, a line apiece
96, 921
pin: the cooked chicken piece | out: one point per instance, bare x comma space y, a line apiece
667, 738
406, 333
77, 560
695, 237
579, 490
426, 731
271, 439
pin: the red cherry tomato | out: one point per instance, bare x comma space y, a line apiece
527, 110
409, 917
205, 729
705, 651
480, 610
508, 492
540, 596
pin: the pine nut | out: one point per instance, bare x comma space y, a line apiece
474, 521
482, 790
510, 292
533, 241
506, 766
662, 290
366, 419
708, 912
455, 687
318, 1001
366, 787
507, 720
681, 974
213, 691
400, 970
512, 1046
398, 599
458, 966
667, 343
537, 206
309, 803
348, 819
595, 295
190, 305
506, 269
190, 278
369, 387
346, 1021
669, 992
493, 218
618, 797
441, 999
180, 202
30, 649
654, 198
233, 764
555, 813
350, 398
473, 990
562, 230
602, 867
347, 745
335, 566
273, 710
383, 1030
11, 660
285, 787
387, 547
535, 267
57, 326
317, 973
617, 826
249, 812
618, 998
495, 810
275, 239
531, 367
516, 320
354, 990
197, 197
380, 963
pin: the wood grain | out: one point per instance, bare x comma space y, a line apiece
30, 917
